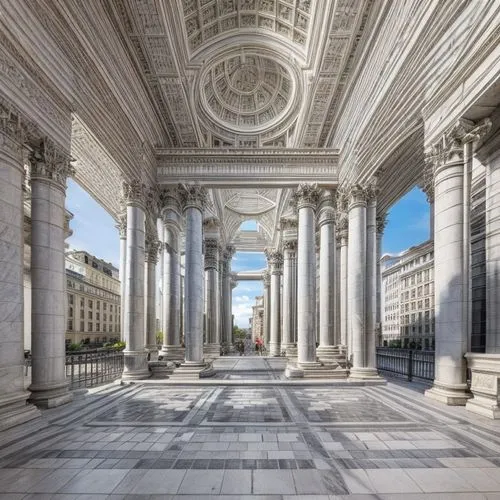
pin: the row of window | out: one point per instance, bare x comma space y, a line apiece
417, 292
417, 260
91, 290
422, 276
90, 315
90, 327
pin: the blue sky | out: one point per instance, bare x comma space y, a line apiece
94, 231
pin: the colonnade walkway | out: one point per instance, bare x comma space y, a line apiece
250, 434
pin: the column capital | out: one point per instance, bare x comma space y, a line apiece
49, 162
153, 201
381, 223
289, 223
193, 196
358, 196
275, 259
266, 278
306, 196
122, 225
233, 282
290, 245
211, 251
134, 193
152, 247
11, 132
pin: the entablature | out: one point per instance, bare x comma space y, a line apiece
248, 167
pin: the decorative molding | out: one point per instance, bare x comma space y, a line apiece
49, 162
248, 167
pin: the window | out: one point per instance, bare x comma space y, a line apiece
82, 314
70, 325
105, 317
91, 305
110, 317
90, 315
105, 305
90, 327
71, 298
97, 327
82, 326
110, 307
98, 305
70, 313
82, 303
97, 316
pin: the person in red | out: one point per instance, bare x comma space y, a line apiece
259, 342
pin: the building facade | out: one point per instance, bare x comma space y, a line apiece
93, 299
257, 319
408, 298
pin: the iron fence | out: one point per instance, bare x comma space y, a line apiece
91, 368
408, 363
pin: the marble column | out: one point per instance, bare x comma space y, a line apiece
227, 331
381, 223
194, 198
151, 253
289, 316
266, 277
222, 301
275, 260
49, 170
327, 286
135, 355
13, 407
371, 279
450, 285
171, 326
344, 238
122, 229
306, 198
212, 298
356, 272
233, 283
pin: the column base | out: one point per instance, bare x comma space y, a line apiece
314, 369
192, 370
289, 349
161, 369
171, 353
365, 374
451, 395
135, 365
485, 370
211, 351
14, 410
274, 349
50, 396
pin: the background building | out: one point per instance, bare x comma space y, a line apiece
93, 295
257, 320
408, 298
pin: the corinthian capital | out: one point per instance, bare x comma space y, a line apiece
381, 222
266, 278
211, 248
193, 196
152, 249
306, 196
122, 225
275, 259
134, 193
11, 132
358, 195
49, 162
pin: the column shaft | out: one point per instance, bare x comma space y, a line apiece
327, 285
48, 279
13, 396
150, 289
306, 286
122, 226
289, 295
267, 308
343, 288
194, 277
371, 283
356, 262
275, 260
135, 356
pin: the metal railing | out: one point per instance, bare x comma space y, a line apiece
408, 363
91, 368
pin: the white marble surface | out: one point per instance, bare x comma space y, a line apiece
193, 283
343, 288
289, 316
371, 284
150, 306
306, 287
274, 342
327, 285
356, 273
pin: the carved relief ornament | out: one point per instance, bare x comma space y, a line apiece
152, 248
266, 278
134, 193
306, 196
358, 195
122, 225
290, 245
49, 162
275, 259
211, 250
193, 196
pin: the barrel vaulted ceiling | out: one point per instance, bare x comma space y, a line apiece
245, 74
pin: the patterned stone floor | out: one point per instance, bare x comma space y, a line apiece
271, 442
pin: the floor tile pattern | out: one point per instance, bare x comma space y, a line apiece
261, 442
